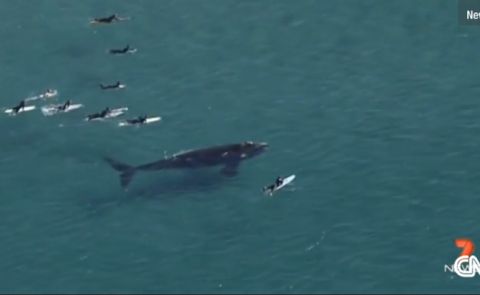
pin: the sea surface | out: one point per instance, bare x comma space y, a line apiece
373, 105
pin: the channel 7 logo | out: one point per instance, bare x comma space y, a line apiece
466, 265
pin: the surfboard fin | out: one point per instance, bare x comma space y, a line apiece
126, 171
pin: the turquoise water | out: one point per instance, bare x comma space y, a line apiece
374, 105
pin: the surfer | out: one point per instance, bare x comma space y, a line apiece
102, 114
65, 106
278, 181
17, 108
272, 187
122, 51
108, 19
50, 93
139, 120
113, 86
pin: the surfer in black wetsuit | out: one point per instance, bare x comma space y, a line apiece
102, 114
113, 86
120, 51
65, 105
17, 108
107, 20
139, 120
271, 188
278, 181
105, 112
49, 93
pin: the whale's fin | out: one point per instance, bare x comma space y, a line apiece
230, 169
126, 171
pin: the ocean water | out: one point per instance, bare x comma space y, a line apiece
374, 105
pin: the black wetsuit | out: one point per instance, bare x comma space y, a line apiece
64, 106
99, 115
139, 120
110, 86
278, 181
105, 112
107, 20
120, 51
17, 108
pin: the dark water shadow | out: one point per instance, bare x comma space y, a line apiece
188, 182
195, 185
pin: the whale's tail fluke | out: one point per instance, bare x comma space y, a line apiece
126, 171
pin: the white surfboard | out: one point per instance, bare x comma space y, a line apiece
116, 112
24, 109
48, 94
285, 182
148, 121
54, 109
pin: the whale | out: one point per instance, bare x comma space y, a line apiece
229, 156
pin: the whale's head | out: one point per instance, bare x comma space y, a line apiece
250, 149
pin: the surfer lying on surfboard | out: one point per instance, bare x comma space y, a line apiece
65, 105
108, 19
53, 109
123, 50
18, 107
102, 114
112, 86
107, 113
48, 94
279, 183
139, 120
